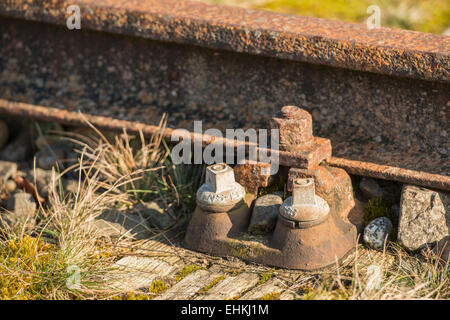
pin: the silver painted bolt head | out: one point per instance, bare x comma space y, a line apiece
220, 177
304, 192
304, 205
220, 192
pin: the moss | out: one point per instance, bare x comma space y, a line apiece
234, 273
271, 296
43, 268
277, 186
264, 277
376, 208
186, 271
157, 286
210, 285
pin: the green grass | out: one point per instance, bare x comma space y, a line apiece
419, 15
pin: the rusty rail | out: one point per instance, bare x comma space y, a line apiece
286, 159
381, 96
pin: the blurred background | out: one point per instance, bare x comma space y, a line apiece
419, 15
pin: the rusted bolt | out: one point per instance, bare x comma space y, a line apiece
220, 192
304, 205
295, 125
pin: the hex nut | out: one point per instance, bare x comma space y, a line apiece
220, 177
303, 192
220, 192
304, 205
295, 125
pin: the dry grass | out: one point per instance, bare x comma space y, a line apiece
372, 275
38, 263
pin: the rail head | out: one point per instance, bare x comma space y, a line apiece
333, 43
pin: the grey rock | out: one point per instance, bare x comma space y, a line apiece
424, 217
265, 214
442, 249
117, 223
17, 150
21, 210
370, 188
50, 157
42, 178
377, 232
7, 170
4, 134
356, 216
156, 214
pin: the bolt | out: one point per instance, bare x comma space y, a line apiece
303, 192
304, 205
220, 177
295, 125
220, 192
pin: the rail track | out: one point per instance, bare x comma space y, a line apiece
381, 96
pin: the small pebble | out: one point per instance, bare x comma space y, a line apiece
376, 232
10, 186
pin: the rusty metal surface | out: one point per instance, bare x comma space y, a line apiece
332, 184
286, 159
253, 176
333, 43
312, 248
368, 117
392, 173
296, 136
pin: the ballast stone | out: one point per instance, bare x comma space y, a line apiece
377, 232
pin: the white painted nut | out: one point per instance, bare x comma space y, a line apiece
220, 192
304, 205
